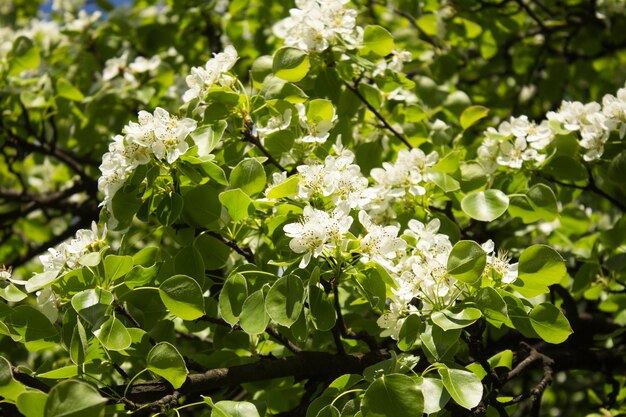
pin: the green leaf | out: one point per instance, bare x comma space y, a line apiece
438, 343
443, 181
319, 109
231, 298
550, 323
73, 398
254, 319
202, 206
147, 256
290, 64
9, 387
23, 56
41, 280
539, 203
372, 95
486, 205
215, 172
393, 395
214, 253
488, 45
182, 296
92, 304
113, 334
66, 90
169, 209
428, 24
467, 261
285, 300
323, 314
78, 344
34, 327
116, 266
539, 267
435, 397
456, 317
329, 411
140, 276
90, 259
502, 359
234, 409
285, 189
543, 200
463, 386
11, 293
493, 306
373, 287
165, 361
237, 203
377, 40
471, 115
206, 138
124, 205
409, 332
32, 403
188, 261
249, 175
64, 372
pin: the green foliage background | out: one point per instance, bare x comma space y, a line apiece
194, 303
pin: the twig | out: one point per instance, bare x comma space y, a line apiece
282, 339
340, 327
246, 253
378, 115
250, 137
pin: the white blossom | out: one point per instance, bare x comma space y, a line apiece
338, 178
65, 256
381, 244
141, 64
116, 66
318, 231
159, 135
214, 72
314, 25
498, 266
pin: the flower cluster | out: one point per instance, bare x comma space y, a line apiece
420, 273
338, 178
318, 232
407, 175
498, 267
159, 135
314, 25
214, 72
119, 66
519, 141
65, 257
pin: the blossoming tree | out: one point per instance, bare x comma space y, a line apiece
326, 208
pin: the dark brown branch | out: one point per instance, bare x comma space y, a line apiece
245, 252
28, 380
304, 365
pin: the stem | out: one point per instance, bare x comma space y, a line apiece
378, 115
248, 136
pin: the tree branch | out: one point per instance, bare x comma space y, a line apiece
304, 365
